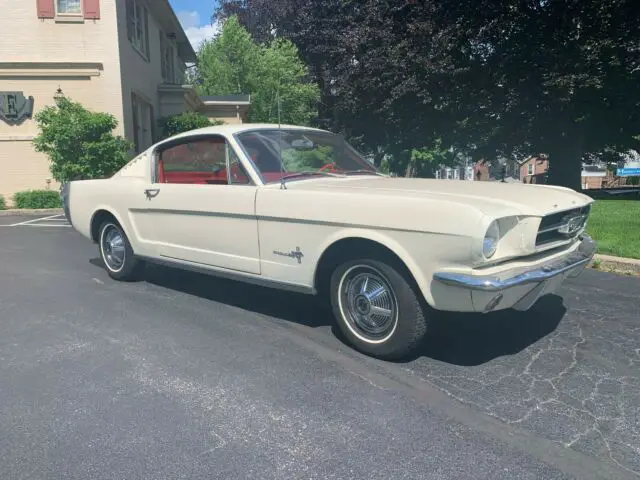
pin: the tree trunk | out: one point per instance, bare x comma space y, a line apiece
408, 173
565, 165
377, 157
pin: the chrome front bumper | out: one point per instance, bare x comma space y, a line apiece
526, 287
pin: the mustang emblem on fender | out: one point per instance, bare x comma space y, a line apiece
297, 254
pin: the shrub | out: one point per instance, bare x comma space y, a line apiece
80, 143
37, 199
183, 122
3, 204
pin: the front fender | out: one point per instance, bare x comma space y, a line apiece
422, 254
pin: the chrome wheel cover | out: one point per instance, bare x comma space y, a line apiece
113, 250
368, 304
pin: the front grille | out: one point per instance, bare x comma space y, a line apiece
562, 226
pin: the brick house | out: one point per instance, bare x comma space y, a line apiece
493, 170
481, 171
595, 176
124, 57
534, 169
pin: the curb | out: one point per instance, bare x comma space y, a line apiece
625, 266
609, 258
31, 212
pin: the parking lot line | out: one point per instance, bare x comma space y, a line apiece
28, 222
66, 225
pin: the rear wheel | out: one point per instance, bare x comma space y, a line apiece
377, 308
117, 254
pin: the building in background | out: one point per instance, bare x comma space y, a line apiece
595, 176
123, 57
228, 108
459, 172
534, 169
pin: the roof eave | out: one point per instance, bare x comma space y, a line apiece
169, 21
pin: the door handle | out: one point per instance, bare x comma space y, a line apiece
151, 193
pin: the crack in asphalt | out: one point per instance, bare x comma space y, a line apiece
576, 386
559, 388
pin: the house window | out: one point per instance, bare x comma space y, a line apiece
142, 116
138, 27
167, 59
530, 169
69, 7
181, 72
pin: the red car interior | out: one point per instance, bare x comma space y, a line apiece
191, 177
178, 164
185, 156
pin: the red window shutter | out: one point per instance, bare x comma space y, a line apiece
46, 9
91, 9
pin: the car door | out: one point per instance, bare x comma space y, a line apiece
203, 205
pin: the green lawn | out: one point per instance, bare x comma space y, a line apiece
615, 225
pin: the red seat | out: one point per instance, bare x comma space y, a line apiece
202, 178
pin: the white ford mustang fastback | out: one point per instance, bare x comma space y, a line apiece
298, 208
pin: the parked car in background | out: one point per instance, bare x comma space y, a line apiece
298, 208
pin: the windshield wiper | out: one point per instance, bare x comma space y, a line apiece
370, 172
309, 172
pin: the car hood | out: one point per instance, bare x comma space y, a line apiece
497, 198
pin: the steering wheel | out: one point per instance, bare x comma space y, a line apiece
329, 166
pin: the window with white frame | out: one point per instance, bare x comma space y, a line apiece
143, 118
69, 7
530, 168
138, 26
167, 59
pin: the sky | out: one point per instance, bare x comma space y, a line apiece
195, 17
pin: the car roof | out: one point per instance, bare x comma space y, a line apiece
241, 127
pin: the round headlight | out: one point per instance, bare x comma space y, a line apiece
490, 243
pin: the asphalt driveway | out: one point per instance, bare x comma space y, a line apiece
186, 376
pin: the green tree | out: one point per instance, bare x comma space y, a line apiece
423, 162
227, 63
79, 143
507, 78
184, 122
233, 63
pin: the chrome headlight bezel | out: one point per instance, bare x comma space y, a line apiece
491, 240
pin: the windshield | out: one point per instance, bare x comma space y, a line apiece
304, 153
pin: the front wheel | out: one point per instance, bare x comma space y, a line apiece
377, 308
117, 254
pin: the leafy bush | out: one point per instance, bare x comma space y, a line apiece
80, 143
183, 122
37, 199
3, 204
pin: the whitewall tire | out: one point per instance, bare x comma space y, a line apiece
377, 308
116, 253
